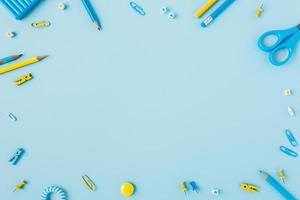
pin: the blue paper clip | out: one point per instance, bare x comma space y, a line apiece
288, 151
137, 8
16, 157
291, 138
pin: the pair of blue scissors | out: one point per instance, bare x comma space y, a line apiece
286, 40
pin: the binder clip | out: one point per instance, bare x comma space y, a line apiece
22, 79
16, 157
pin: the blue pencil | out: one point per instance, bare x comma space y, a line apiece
216, 13
277, 186
9, 59
90, 10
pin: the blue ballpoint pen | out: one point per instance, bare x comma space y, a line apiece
90, 10
9, 59
216, 13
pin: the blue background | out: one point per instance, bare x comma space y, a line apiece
149, 100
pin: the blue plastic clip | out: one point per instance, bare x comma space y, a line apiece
194, 186
137, 8
291, 138
16, 157
288, 151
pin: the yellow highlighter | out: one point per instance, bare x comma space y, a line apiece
205, 8
20, 64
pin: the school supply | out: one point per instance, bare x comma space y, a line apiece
277, 186
194, 186
41, 24
171, 15
20, 8
127, 189
291, 138
281, 175
10, 34
259, 10
184, 189
249, 187
137, 8
216, 191
22, 79
54, 190
291, 111
17, 156
205, 8
12, 117
20, 185
9, 59
286, 40
91, 12
216, 13
89, 183
61, 6
164, 10
20, 64
288, 151
287, 92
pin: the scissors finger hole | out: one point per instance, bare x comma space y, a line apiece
270, 40
281, 55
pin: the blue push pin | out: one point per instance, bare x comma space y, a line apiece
194, 186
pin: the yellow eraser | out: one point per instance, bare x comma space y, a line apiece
127, 189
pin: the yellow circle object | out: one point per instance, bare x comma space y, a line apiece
61, 6
127, 189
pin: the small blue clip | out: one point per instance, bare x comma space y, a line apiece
288, 151
137, 8
291, 138
194, 186
16, 157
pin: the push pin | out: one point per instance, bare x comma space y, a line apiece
216, 191
16, 157
194, 186
20, 185
259, 10
287, 92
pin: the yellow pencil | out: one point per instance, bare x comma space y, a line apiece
205, 8
20, 64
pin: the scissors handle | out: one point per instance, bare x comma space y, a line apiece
290, 45
280, 35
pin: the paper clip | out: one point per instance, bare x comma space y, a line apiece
89, 183
16, 157
288, 151
22, 79
137, 8
291, 138
249, 187
12, 117
40, 24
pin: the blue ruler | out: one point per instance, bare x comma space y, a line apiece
20, 8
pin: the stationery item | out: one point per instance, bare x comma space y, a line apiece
277, 186
184, 189
164, 10
20, 8
10, 34
9, 59
291, 138
172, 15
61, 6
259, 10
286, 40
20, 185
216, 13
288, 151
127, 189
249, 187
287, 92
91, 12
41, 24
137, 8
205, 8
194, 186
54, 191
291, 111
216, 191
12, 117
22, 79
281, 175
17, 156
20, 64
89, 183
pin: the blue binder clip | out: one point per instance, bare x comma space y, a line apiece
291, 138
16, 157
20, 8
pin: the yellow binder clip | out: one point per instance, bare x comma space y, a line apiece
22, 79
40, 24
89, 183
249, 187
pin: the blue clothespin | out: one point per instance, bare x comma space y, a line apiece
16, 157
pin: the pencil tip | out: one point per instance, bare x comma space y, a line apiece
42, 57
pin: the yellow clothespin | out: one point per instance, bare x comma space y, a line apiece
22, 79
281, 175
20, 185
249, 187
89, 183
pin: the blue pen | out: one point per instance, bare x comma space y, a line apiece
277, 186
9, 59
90, 10
216, 13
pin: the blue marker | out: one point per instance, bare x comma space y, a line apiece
216, 13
